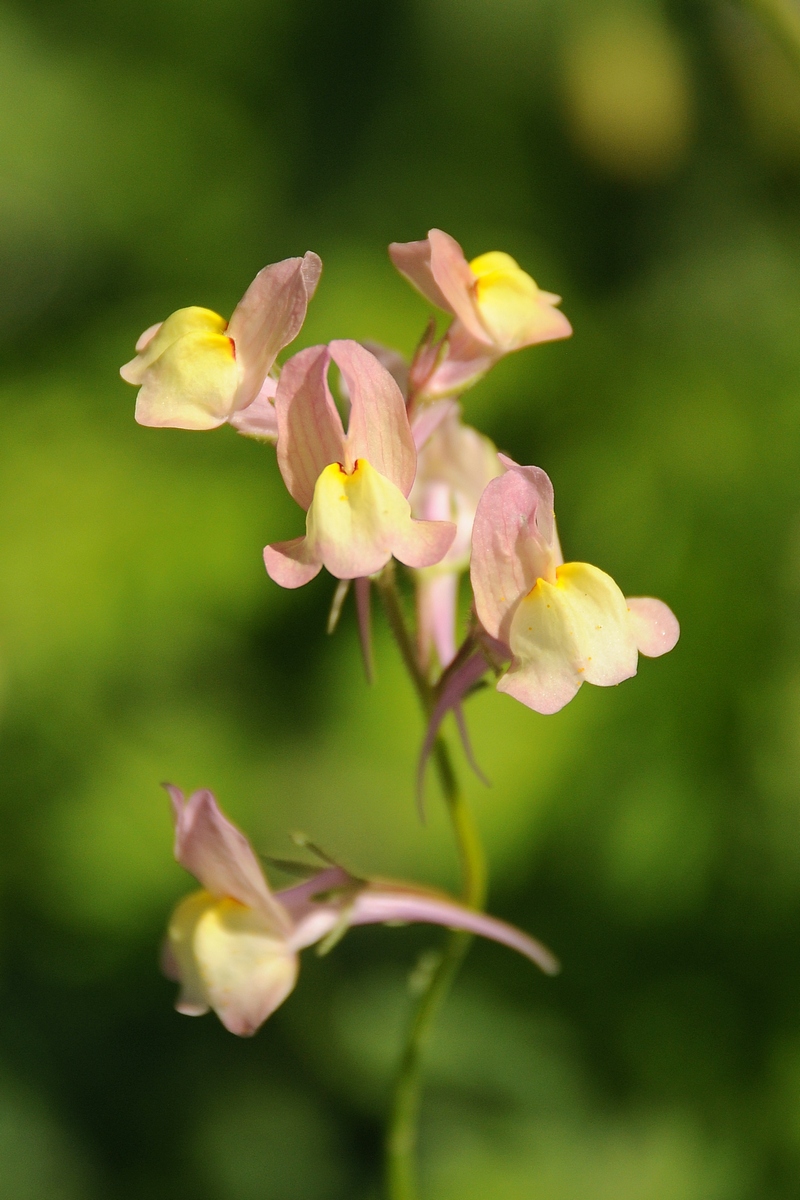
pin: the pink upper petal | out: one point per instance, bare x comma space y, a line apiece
219, 855
655, 626
269, 316
512, 543
413, 259
456, 281
378, 429
310, 433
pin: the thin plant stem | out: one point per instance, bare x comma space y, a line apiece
402, 1134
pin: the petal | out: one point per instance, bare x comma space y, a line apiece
512, 543
192, 385
545, 671
192, 999
515, 313
413, 259
159, 337
269, 316
437, 602
246, 971
147, 337
376, 905
428, 418
259, 419
357, 521
607, 641
378, 429
292, 564
394, 362
564, 634
310, 432
456, 281
655, 626
218, 854
422, 544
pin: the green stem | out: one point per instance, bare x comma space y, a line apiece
401, 1141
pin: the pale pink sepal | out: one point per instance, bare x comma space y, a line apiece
655, 625
218, 854
269, 316
259, 419
513, 543
310, 432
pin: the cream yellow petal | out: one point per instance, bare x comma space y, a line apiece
512, 308
245, 970
192, 999
155, 340
357, 521
191, 385
576, 630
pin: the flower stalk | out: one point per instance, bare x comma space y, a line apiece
403, 1128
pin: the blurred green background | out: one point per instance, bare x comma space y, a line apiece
641, 159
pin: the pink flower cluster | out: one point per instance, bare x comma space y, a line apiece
390, 472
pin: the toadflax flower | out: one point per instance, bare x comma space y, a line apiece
564, 624
234, 946
354, 486
497, 308
454, 466
196, 371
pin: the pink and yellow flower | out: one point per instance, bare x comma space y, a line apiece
196, 371
234, 946
354, 486
564, 624
497, 308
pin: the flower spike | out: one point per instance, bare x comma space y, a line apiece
197, 371
234, 946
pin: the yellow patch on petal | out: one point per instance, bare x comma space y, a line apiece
353, 519
508, 299
246, 972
